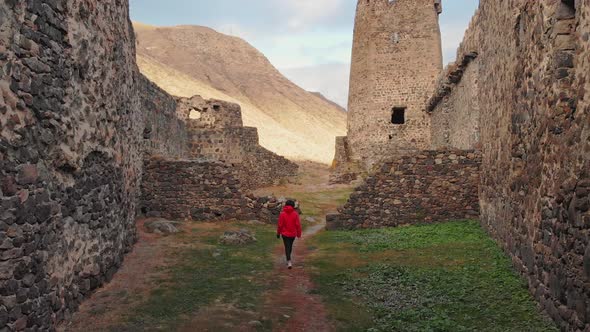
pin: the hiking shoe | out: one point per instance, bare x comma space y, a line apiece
289, 265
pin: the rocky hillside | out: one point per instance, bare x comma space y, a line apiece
189, 60
333, 103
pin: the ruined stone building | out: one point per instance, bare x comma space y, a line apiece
81, 134
396, 58
517, 98
216, 132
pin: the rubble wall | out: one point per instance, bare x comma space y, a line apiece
454, 107
535, 134
454, 111
165, 134
191, 190
425, 187
343, 170
216, 133
73, 119
263, 168
201, 190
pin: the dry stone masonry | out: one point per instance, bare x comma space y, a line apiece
77, 122
217, 133
189, 189
519, 94
534, 99
71, 151
454, 108
419, 188
165, 132
201, 190
395, 60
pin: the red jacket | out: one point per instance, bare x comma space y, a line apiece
289, 223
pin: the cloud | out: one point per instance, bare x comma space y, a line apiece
304, 13
306, 49
308, 40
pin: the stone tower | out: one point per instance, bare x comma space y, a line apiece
396, 60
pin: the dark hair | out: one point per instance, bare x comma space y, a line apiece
290, 203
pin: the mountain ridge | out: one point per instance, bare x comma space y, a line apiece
187, 60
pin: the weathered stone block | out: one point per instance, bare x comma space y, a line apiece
27, 174
565, 42
587, 262
8, 186
3, 316
564, 60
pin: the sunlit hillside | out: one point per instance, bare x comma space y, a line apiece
191, 60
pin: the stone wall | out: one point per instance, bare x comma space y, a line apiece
216, 133
263, 168
344, 169
201, 190
425, 187
396, 60
191, 189
221, 144
165, 133
73, 118
519, 92
454, 109
77, 121
211, 113
534, 101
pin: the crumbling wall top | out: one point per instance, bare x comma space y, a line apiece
388, 4
201, 113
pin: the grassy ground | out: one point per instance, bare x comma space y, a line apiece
446, 277
207, 273
190, 280
315, 204
310, 187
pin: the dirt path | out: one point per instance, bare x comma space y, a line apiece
294, 307
131, 283
294, 304
284, 301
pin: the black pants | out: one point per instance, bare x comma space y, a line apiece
288, 241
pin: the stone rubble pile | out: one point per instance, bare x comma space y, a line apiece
238, 238
162, 226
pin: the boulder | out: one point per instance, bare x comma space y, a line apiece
162, 226
237, 238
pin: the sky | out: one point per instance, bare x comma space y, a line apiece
309, 41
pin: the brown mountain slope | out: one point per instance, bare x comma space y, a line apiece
188, 60
319, 94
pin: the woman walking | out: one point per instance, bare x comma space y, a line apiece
289, 227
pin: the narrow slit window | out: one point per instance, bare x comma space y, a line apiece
398, 115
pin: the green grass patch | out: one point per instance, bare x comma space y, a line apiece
319, 202
205, 273
444, 277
